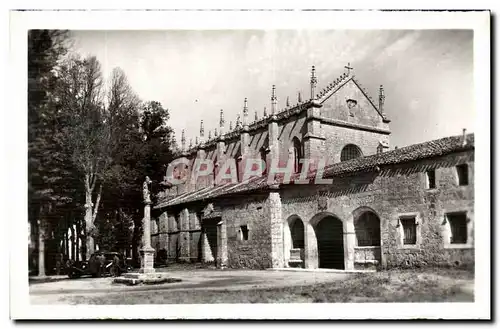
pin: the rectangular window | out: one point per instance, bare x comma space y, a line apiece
458, 228
244, 232
431, 179
409, 231
463, 174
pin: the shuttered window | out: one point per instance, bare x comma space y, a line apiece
409, 231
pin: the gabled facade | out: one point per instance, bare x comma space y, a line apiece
408, 207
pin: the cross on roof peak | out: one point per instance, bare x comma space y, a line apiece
348, 68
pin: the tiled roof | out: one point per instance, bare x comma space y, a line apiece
414, 152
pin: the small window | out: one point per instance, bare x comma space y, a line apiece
244, 232
409, 231
297, 155
463, 174
431, 179
458, 228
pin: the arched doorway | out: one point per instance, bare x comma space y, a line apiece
330, 239
297, 232
293, 242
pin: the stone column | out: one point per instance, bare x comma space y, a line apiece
276, 219
147, 260
310, 247
222, 253
349, 243
184, 236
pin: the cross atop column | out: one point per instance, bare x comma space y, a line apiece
348, 68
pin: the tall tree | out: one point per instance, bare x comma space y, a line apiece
81, 93
47, 168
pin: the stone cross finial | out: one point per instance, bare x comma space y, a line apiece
348, 68
381, 99
183, 140
314, 81
273, 100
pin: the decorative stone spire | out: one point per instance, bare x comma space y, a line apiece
314, 81
209, 135
190, 143
381, 99
245, 112
265, 112
299, 97
183, 140
238, 122
230, 125
256, 116
274, 102
202, 133
464, 137
196, 141
287, 101
221, 120
216, 133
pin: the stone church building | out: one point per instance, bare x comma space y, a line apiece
406, 207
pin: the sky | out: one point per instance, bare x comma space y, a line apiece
427, 74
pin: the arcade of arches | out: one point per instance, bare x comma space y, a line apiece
327, 241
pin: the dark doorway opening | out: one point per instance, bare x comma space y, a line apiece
330, 236
211, 230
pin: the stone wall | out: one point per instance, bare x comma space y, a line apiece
256, 251
393, 192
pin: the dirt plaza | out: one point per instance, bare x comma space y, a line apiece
251, 286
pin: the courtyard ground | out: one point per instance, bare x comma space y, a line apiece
201, 285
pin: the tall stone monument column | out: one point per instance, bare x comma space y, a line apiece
147, 272
147, 252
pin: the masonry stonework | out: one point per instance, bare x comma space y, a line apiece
355, 222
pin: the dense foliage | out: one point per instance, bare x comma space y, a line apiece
92, 141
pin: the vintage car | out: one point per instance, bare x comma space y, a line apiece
100, 263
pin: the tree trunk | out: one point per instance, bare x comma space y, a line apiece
77, 242
41, 249
73, 241
89, 240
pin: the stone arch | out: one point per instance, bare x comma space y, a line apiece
329, 242
367, 227
294, 237
349, 152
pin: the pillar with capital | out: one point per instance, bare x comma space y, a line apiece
147, 252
